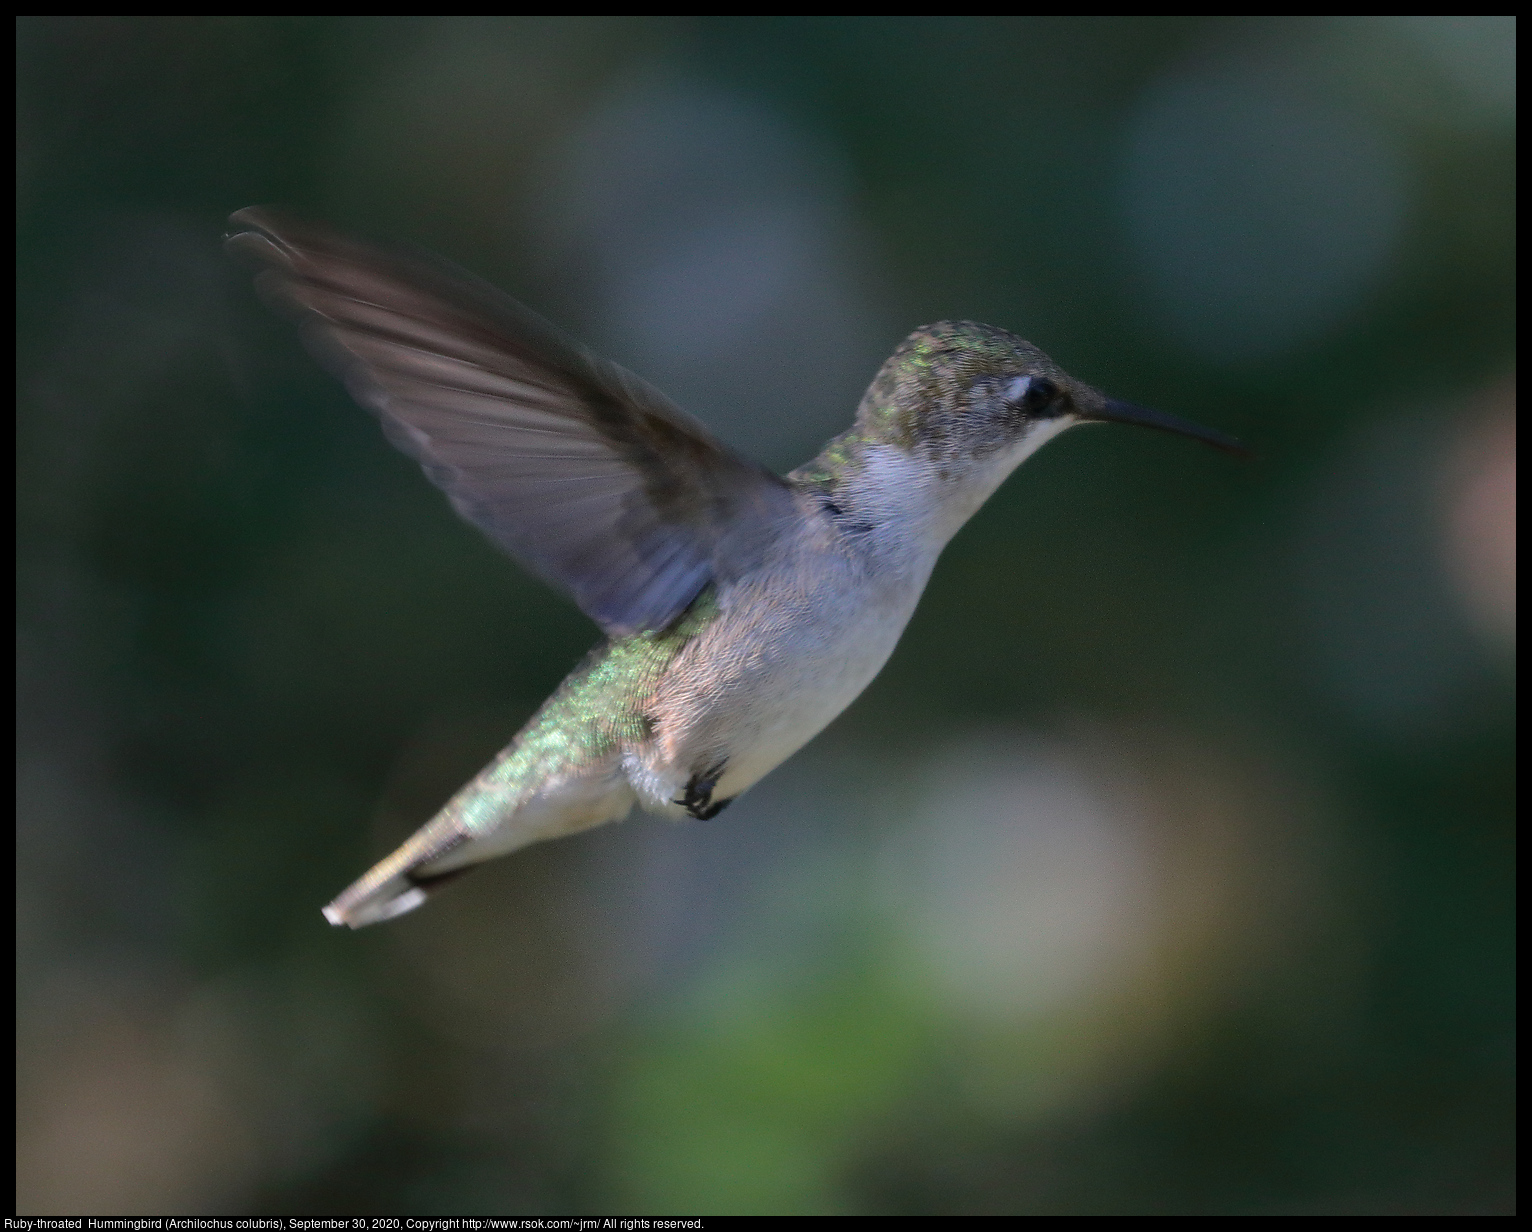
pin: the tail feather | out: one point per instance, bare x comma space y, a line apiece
396, 884
509, 814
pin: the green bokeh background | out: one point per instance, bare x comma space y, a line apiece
255, 648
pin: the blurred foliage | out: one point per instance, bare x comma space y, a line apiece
1251, 723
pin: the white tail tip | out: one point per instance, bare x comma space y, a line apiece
375, 911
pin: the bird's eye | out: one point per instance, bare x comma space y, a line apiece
1033, 394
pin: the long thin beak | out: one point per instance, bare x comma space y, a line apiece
1125, 412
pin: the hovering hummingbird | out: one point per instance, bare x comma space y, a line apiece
742, 610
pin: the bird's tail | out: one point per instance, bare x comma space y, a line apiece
561, 774
401, 882
447, 846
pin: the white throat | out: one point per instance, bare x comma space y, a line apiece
918, 508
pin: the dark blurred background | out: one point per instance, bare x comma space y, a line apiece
1166, 869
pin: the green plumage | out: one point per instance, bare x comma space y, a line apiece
595, 712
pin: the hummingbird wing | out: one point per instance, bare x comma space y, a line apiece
579, 469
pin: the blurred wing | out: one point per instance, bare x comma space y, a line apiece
578, 468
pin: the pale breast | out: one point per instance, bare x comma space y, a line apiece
794, 645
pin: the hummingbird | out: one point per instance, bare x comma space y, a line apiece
741, 610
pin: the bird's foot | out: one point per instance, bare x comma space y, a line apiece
698, 799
